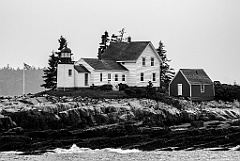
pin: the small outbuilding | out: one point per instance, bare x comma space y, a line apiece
194, 84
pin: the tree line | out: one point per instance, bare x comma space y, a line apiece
11, 80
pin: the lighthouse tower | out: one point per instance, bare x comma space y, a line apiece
65, 70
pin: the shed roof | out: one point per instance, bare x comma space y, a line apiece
196, 76
122, 51
104, 64
81, 69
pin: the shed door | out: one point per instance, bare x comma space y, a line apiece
86, 79
180, 89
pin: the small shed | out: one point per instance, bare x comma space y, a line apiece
192, 83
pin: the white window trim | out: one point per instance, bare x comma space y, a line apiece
202, 88
155, 77
151, 62
144, 61
116, 76
123, 76
141, 77
109, 79
70, 75
101, 77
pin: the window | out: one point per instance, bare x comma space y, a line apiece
202, 88
142, 77
65, 55
70, 72
100, 77
123, 77
143, 61
152, 62
116, 77
154, 77
109, 77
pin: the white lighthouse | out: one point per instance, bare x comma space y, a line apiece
65, 70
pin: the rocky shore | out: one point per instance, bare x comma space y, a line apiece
37, 124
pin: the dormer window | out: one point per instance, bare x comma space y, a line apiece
143, 61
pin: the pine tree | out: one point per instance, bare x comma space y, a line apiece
166, 73
103, 44
50, 74
62, 44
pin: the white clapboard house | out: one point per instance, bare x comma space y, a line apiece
132, 63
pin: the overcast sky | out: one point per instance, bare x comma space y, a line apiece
196, 33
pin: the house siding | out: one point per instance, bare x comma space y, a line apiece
208, 93
148, 53
63, 80
90, 69
131, 74
80, 80
179, 79
105, 77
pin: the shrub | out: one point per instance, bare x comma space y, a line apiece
122, 87
226, 92
136, 92
106, 87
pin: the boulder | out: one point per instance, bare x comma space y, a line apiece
235, 122
6, 123
36, 119
84, 111
113, 117
129, 117
197, 124
16, 130
70, 117
172, 116
188, 115
101, 119
97, 110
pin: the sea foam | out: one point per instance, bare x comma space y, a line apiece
75, 149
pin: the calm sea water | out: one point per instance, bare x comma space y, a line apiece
77, 154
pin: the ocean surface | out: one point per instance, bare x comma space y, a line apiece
77, 154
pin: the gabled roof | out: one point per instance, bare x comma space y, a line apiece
122, 51
196, 76
104, 64
81, 69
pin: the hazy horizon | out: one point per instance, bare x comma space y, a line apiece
196, 33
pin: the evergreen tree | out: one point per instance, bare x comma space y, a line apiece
50, 74
62, 44
103, 44
166, 73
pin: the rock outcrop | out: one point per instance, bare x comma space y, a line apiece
48, 121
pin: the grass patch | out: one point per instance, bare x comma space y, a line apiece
85, 93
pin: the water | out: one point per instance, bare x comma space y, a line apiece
77, 154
